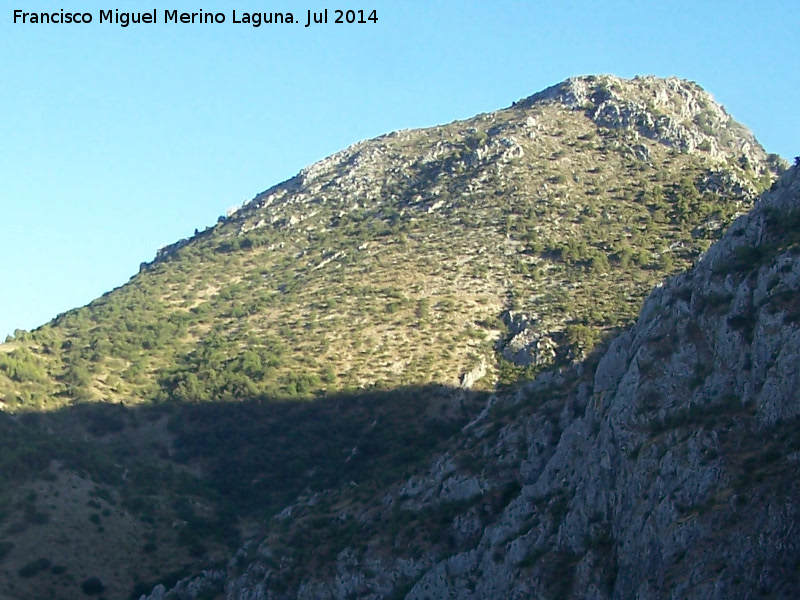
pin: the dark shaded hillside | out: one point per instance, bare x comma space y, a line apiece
209, 467
276, 451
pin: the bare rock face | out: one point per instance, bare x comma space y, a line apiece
528, 344
476, 374
665, 467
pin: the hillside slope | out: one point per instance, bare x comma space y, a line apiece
665, 466
341, 328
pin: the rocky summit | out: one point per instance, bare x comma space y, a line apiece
415, 370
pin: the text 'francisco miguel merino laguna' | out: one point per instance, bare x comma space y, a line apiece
255, 19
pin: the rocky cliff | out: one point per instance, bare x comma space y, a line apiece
664, 466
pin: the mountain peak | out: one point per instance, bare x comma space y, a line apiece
675, 112
566, 182
577, 91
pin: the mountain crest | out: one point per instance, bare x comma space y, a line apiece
673, 111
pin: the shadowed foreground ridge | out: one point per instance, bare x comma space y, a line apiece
665, 466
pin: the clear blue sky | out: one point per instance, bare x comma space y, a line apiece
116, 141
